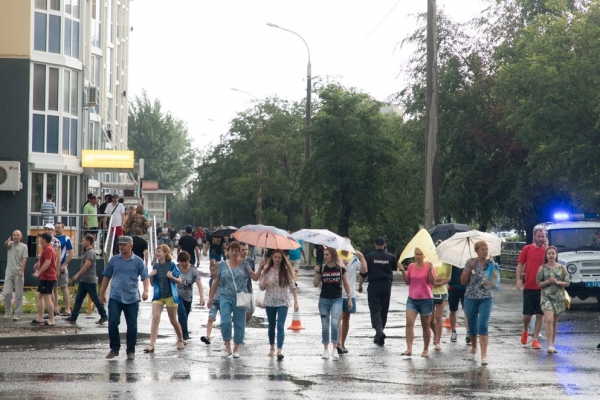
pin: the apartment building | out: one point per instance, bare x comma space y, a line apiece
63, 91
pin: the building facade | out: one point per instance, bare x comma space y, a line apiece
63, 89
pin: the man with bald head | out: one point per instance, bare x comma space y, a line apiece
13, 277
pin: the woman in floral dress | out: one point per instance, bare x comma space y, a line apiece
277, 280
552, 278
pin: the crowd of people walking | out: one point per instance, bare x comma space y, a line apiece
233, 271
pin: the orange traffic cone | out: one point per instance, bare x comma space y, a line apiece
447, 323
296, 324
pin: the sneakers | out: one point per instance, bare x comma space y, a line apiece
453, 337
484, 361
15, 318
379, 338
102, 320
111, 355
524, 338
335, 356
225, 354
70, 319
7, 315
205, 339
131, 356
236, 355
536, 345
325, 355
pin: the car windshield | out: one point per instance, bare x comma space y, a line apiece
575, 239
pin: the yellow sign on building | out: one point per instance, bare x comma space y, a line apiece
107, 159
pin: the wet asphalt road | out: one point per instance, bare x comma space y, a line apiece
515, 371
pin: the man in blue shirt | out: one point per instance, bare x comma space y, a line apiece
62, 271
296, 256
123, 269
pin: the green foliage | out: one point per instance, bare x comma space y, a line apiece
162, 141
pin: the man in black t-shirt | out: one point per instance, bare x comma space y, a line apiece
189, 243
214, 245
140, 245
379, 271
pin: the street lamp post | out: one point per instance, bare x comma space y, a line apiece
258, 135
305, 210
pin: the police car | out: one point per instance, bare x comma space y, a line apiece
577, 239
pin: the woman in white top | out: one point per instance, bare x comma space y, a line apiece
352, 269
277, 280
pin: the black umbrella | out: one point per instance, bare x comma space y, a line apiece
445, 231
224, 231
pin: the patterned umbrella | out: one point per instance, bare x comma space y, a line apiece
324, 237
268, 237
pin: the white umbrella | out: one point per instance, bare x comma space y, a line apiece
461, 247
324, 237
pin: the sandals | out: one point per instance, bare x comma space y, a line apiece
48, 323
438, 347
425, 353
180, 345
65, 314
406, 353
149, 349
271, 353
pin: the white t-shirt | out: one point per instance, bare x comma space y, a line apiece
117, 216
352, 270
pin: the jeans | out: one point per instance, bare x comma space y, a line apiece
183, 311
114, 319
84, 289
478, 315
330, 310
227, 307
279, 314
12, 280
378, 294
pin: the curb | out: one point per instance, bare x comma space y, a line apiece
47, 340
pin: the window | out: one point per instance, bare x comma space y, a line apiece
68, 193
63, 187
96, 24
47, 26
94, 136
50, 122
41, 184
71, 35
109, 68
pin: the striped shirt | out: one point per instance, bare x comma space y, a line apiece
48, 210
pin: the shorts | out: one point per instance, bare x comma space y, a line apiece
345, 306
454, 297
212, 313
63, 279
92, 231
118, 230
423, 306
45, 287
216, 257
532, 300
167, 301
440, 298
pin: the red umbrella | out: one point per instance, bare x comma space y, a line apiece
268, 237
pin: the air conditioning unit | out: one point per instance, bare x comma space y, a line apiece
93, 96
10, 176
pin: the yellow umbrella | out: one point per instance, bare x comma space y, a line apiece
423, 241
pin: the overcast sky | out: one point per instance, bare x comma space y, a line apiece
190, 53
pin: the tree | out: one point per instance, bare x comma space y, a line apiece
162, 141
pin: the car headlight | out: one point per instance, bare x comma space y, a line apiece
571, 268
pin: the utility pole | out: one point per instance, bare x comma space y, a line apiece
431, 115
305, 209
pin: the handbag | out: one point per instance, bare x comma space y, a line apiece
260, 299
243, 300
567, 299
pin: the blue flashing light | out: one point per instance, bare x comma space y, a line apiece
561, 216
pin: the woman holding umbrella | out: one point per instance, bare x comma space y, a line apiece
331, 276
238, 269
420, 278
479, 297
277, 280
